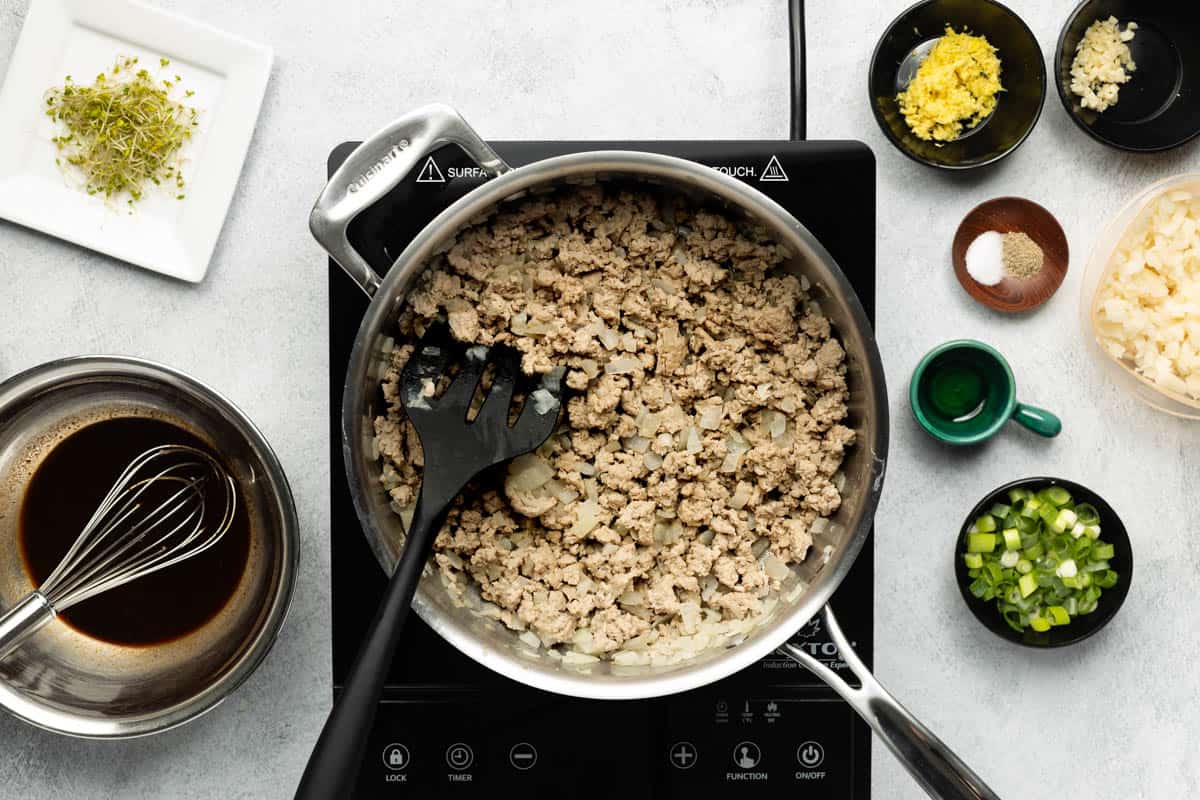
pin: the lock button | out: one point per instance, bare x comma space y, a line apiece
395, 757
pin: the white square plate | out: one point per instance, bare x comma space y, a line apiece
82, 38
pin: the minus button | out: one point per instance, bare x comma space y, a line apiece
522, 756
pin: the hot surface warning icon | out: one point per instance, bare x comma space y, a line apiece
774, 171
431, 174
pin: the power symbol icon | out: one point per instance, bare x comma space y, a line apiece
810, 755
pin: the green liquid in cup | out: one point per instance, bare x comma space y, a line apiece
954, 389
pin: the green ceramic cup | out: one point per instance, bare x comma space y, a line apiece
963, 392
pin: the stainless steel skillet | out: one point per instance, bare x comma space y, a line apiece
387, 158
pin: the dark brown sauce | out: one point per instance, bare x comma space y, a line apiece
63, 494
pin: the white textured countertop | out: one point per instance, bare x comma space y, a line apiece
1112, 718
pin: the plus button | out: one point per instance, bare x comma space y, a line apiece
683, 755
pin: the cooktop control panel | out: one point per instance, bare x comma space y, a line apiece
741, 745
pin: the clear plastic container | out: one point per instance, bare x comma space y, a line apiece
1096, 272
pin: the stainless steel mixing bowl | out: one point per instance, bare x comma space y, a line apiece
65, 681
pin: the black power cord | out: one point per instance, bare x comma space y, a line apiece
796, 48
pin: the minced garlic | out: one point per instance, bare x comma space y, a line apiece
954, 88
1102, 63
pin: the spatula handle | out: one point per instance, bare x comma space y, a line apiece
333, 767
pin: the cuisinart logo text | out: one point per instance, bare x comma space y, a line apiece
391, 155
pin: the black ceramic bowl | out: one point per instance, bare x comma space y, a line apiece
1022, 73
1159, 108
1112, 530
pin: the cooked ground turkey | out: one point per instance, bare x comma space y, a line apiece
703, 432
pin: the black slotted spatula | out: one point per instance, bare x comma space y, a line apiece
456, 450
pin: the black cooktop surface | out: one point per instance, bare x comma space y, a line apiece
447, 725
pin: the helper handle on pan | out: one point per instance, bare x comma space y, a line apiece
333, 767
941, 773
376, 166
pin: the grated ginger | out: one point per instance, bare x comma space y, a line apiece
954, 88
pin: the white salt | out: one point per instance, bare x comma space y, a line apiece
985, 258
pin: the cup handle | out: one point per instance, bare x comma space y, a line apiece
1038, 420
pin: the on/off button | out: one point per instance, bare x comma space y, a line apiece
810, 755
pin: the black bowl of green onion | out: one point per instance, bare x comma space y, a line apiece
1043, 562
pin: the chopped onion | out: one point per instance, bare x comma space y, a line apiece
526, 473
731, 462
587, 468
760, 546
736, 444
710, 417
590, 367
622, 365
689, 617
543, 401
609, 338
819, 525
652, 461
477, 353
406, 516
648, 425
636, 444
741, 495
692, 444
839, 480
586, 519
552, 380
775, 568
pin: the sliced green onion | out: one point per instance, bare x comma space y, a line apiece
981, 542
1056, 495
1017, 495
1064, 519
1040, 558
1058, 615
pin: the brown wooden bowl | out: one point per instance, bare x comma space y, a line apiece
1012, 215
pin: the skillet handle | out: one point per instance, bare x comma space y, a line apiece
942, 774
376, 166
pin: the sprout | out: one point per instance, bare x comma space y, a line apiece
122, 132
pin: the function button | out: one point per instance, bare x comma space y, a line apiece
746, 755
523, 756
810, 755
459, 756
395, 757
683, 755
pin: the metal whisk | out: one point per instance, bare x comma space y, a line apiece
155, 516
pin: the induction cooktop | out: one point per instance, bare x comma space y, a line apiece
446, 725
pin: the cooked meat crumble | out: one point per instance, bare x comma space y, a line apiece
701, 440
